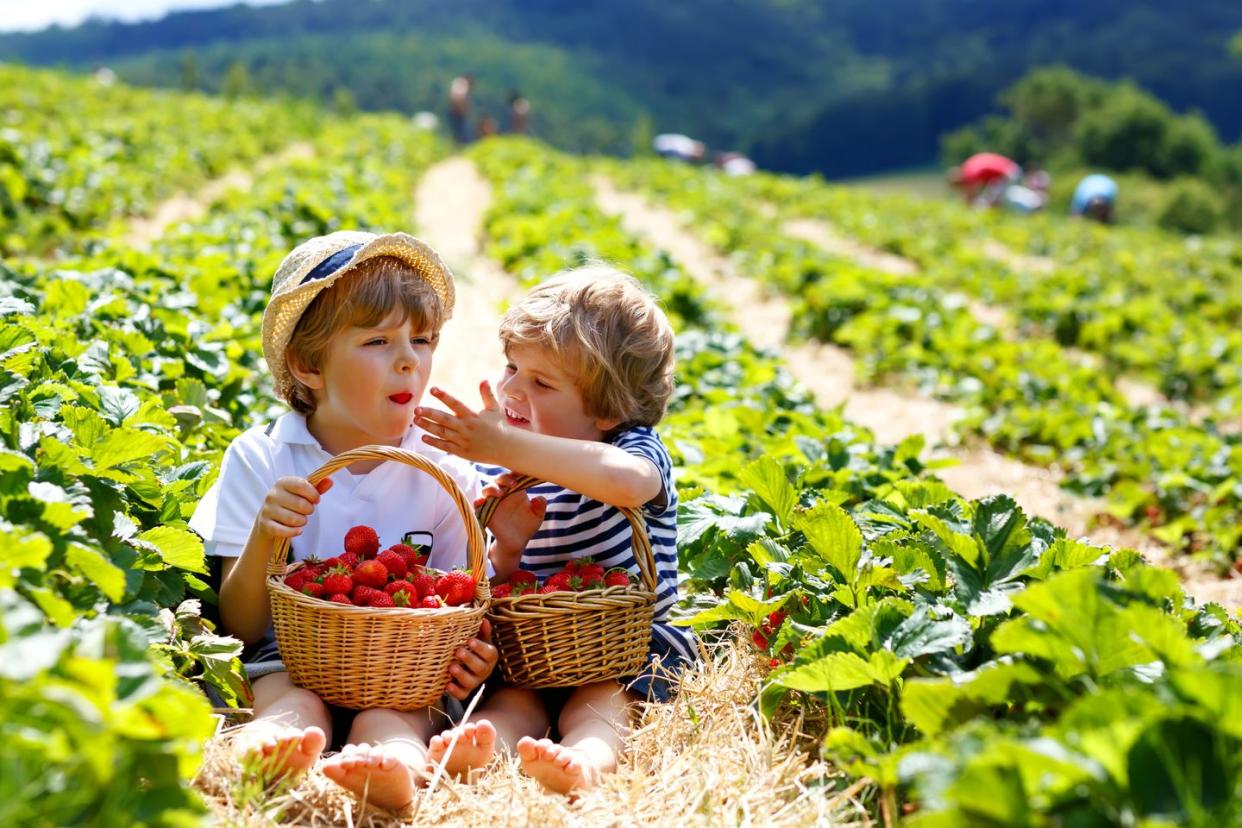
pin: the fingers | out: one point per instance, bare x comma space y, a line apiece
489, 399
443, 445
455, 405
433, 419
485, 631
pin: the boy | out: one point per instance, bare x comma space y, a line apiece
349, 335
589, 372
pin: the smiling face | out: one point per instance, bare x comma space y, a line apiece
369, 382
537, 394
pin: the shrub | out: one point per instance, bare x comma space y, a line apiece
1191, 207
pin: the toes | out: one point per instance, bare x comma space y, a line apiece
527, 748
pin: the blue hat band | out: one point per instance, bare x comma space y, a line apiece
331, 264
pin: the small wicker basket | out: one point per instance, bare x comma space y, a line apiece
567, 639
367, 657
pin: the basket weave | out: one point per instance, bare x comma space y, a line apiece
567, 639
366, 657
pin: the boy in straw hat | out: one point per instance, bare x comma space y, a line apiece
589, 371
349, 335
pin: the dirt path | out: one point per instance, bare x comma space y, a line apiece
450, 203
829, 373
181, 207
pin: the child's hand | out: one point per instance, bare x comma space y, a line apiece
288, 504
472, 663
513, 524
474, 435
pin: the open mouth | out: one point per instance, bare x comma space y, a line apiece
402, 398
514, 418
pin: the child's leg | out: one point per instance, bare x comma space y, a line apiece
385, 755
594, 726
289, 730
509, 714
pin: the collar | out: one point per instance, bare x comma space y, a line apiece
290, 427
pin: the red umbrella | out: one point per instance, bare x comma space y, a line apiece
985, 167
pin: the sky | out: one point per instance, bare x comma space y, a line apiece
25, 15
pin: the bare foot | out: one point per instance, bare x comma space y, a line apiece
476, 745
373, 774
278, 751
556, 767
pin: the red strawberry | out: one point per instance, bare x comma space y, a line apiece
591, 581
560, 582
591, 572
295, 579
574, 564
525, 588
338, 580
523, 577
349, 559
313, 589
341, 599
616, 577
362, 595
362, 541
456, 588
312, 566
403, 598
402, 586
407, 554
424, 585
330, 563
546, 588
431, 602
502, 590
372, 574
382, 600
393, 562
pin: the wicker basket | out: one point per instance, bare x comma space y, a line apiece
567, 639
365, 657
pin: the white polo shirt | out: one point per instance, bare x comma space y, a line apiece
400, 502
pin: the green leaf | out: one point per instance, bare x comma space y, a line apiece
833, 535
21, 550
97, 569
125, 445
920, 635
830, 674
177, 547
768, 479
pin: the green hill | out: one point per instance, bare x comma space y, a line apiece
842, 87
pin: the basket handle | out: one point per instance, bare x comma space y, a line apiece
475, 545
640, 542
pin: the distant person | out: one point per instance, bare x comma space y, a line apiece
1038, 179
734, 164
983, 177
1022, 199
679, 147
519, 113
488, 126
1095, 197
459, 107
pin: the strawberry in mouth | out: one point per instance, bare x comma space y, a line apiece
402, 398
515, 419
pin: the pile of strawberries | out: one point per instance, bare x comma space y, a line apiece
363, 576
576, 576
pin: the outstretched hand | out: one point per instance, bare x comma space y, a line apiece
513, 524
475, 435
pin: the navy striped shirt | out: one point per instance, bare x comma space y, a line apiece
576, 526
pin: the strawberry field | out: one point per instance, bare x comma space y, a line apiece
927, 659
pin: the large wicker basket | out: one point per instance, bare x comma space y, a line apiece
567, 639
366, 657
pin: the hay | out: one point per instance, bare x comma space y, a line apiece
705, 759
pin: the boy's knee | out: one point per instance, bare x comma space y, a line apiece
305, 702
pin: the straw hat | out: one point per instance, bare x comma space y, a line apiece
317, 264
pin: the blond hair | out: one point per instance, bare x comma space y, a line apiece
363, 298
607, 332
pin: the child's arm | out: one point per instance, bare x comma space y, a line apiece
600, 471
244, 609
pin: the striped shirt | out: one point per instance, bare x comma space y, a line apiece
575, 526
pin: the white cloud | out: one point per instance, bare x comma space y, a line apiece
26, 15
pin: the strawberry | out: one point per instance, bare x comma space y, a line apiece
403, 598
616, 577
371, 573
407, 554
349, 559
524, 588
382, 600
456, 588
523, 577
313, 589
340, 598
329, 563
362, 541
591, 581
574, 564
592, 572
560, 582
424, 585
546, 588
502, 590
295, 579
393, 562
362, 595
338, 580
431, 602
312, 566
